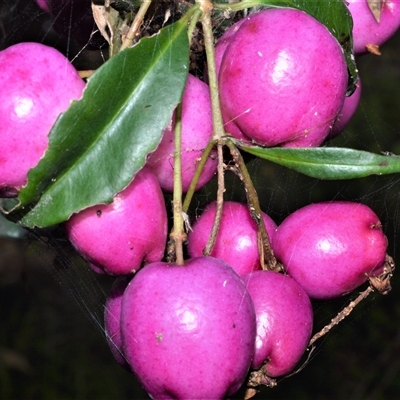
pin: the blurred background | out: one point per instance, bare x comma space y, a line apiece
52, 344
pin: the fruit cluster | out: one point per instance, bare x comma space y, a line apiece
198, 329
228, 323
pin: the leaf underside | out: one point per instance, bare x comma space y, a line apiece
331, 163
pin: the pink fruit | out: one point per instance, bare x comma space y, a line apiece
120, 236
366, 29
38, 83
236, 242
331, 248
349, 108
112, 319
196, 133
222, 44
284, 321
224, 41
283, 86
43, 4
188, 331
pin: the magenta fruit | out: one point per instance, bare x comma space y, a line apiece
283, 86
331, 248
284, 321
121, 236
188, 331
38, 83
236, 242
196, 133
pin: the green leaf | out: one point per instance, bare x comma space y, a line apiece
329, 162
97, 146
334, 14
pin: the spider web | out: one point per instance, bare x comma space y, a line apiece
52, 304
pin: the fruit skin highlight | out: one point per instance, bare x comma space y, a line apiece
284, 321
331, 248
196, 133
283, 86
188, 331
236, 242
120, 236
38, 83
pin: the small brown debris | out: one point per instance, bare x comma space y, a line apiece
373, 48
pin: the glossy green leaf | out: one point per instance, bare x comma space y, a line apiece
334, 14
329, 162
101, 141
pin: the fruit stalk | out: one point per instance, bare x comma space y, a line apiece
196, 176
220, 202
267, 258
380, 283
130, 36
342, 314
218, 125
195, 18
178, 234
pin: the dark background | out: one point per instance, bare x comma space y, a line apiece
51, 340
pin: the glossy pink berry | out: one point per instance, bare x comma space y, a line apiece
188, 331
366, 29
38, 83
331, 248
119, 237
196, 133
236, 242
284, 321
279, 85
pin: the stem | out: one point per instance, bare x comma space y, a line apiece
220, 202
214, 105
342, 315
380, 283
218, 125
196, 176
267, 258
192, 26
239, 6
178, 234
136, 24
